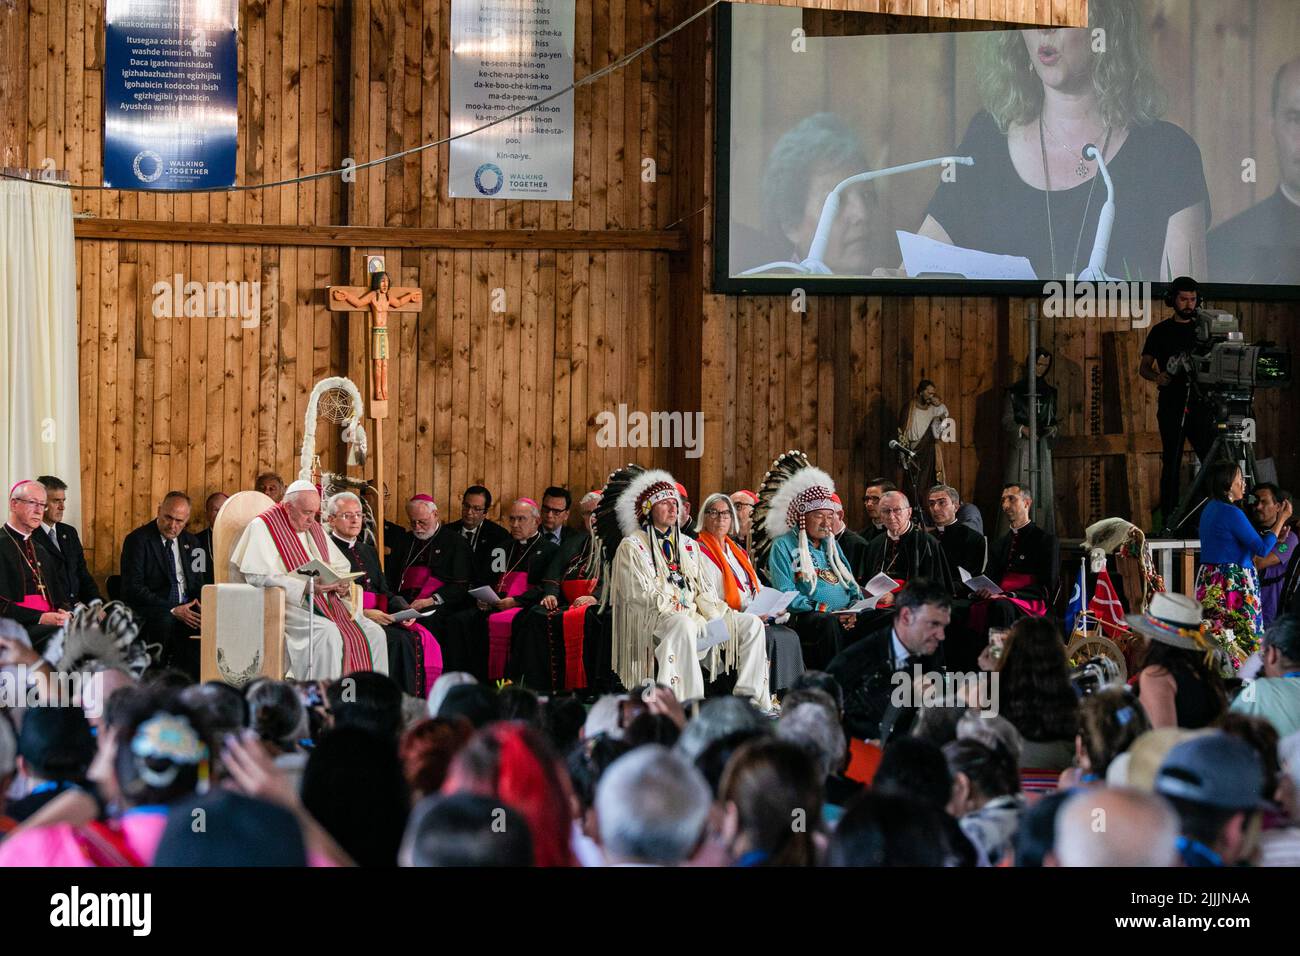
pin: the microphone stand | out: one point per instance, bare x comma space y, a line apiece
1096, 268
907, 458
311, 621
813, 264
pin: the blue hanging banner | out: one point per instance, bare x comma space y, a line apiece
171, 111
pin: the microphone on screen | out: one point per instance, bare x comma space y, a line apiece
813, 264
1096, 269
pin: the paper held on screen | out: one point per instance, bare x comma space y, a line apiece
876, 588
978, 582
484, 594
324, 574
715, 632
769, 602
924, 255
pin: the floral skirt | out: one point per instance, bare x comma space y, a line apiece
1230, 605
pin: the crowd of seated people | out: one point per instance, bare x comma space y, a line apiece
864, 736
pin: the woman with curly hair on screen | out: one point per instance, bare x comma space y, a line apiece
1046, 94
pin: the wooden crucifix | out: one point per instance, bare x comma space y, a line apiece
377, 302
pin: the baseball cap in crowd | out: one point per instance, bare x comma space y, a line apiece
1214, 770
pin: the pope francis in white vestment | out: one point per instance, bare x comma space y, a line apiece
334, 640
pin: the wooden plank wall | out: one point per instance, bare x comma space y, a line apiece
832, 381
507, 398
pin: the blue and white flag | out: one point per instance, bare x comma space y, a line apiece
1078, 604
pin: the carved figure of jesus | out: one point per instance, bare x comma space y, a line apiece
378, 302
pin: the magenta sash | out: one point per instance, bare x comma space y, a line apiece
432, 655
35, 602
979, 610
500, 624
419, 579
1014, 580
574, 625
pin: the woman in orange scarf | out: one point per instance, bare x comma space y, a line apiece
729, 571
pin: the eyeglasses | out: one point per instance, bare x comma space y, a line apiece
473, 509
717, 514
38, 505
548, 510
347, 515
894, 511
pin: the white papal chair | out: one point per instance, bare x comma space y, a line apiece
242, 626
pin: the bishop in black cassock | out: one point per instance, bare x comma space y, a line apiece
431, 566
478, 639
913, 554
28, 568
1024, 563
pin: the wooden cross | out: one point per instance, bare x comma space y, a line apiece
376, 302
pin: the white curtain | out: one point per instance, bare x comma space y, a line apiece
40, 422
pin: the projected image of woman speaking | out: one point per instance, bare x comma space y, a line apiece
1046, 95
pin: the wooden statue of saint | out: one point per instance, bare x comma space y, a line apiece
378, 300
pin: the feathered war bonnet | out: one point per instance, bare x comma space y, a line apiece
626, 502
791, 489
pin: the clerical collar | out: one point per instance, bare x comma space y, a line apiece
1027, 523
348, 541
948, 525
1295, 201
22, 534
905, 533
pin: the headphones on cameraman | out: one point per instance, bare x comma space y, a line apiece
1183, 284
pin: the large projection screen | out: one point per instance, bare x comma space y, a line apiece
1196, 103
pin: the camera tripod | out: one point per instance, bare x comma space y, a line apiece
1229, 444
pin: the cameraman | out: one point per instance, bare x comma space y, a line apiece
1180, 415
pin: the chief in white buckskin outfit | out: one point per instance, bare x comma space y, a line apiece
661, 600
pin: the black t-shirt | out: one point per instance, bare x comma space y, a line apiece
1157, 172
1261, 244
1164, 341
